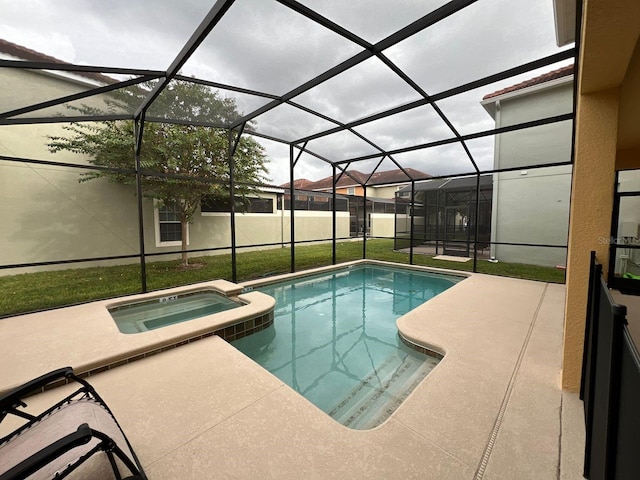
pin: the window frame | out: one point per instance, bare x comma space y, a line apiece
157, 206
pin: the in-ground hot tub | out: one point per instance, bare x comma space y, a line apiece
158, 312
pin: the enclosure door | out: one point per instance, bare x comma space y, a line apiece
456, 234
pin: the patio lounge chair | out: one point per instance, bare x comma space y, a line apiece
59, 440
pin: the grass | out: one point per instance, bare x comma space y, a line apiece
43, 290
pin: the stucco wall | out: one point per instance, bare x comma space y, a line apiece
21, 88
592, 203
609, 47
532, 205
382, 225
48, 215
533, 208
382, 192
312, 225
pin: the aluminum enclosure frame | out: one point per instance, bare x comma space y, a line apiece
299, 146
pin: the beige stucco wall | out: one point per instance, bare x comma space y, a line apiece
313, 225
382, 192
609, 47
592, 203
48, 215
21, 88
382, 225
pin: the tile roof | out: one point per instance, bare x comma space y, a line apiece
546, 77
29, 55
299, 184
357, 178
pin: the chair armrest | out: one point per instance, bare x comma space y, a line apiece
12, 399
41, 458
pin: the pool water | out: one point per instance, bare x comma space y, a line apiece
163, 311
335, 341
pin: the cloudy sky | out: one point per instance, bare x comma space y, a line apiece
264, 46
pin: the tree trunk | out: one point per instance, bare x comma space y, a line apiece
185, 260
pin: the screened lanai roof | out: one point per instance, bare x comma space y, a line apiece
462, 183
365, 85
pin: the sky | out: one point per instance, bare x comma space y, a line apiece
264, 46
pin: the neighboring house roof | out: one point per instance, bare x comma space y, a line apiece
546, 77
357, 178
299, 184
26, 54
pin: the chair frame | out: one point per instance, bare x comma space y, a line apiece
13, 401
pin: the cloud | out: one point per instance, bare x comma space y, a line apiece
118, 33
60, 45
411, 127
484, 38
373, 20
367, 88
267, 47
291, 123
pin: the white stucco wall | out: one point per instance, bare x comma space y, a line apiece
532, 205
533, 208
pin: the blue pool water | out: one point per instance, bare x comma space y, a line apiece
335, 341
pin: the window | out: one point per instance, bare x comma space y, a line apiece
384, 207
260, 205
316, 202
170, 228
210, 204
351, 190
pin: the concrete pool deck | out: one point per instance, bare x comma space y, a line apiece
87, 338
492, 409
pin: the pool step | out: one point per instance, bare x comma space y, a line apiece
372, 401
380, 411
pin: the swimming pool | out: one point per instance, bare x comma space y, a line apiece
335, 341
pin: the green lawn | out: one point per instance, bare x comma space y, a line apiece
43, 290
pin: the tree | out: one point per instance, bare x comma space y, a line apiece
179, 163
